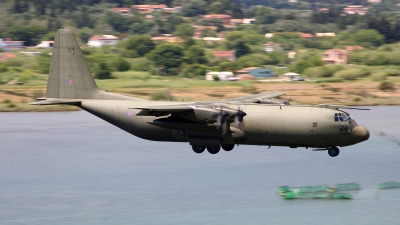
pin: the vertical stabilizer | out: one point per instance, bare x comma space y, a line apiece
69, 76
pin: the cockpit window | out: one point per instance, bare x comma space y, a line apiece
341, 117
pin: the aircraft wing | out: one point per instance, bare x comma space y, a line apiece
165, 110
257, 98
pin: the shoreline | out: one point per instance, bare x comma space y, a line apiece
362, 92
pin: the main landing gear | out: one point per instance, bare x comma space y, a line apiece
333, 151
212, 149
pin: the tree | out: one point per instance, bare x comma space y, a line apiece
82, 18
31, 35
265, 15
120, 64
302, 65
232, 38
195, 54
84, 34
368, 37
43, 63
103, 71
49, 36
184, 30
241, 49
172, 22
193, 7
138, 46
118, 22
207, 32
167, 55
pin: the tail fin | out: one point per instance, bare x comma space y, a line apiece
69, 76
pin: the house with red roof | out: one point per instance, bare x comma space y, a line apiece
199, 29
123, 11
224, 17
149, 8
99, 40
335, 56
306, 35
229, 55
356, 9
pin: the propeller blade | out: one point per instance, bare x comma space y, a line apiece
224, 127
221, 120
286, 101
238, 120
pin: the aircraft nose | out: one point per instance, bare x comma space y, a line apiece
360, 134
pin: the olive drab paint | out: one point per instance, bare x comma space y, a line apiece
250, 120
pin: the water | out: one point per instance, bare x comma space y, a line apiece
73, 168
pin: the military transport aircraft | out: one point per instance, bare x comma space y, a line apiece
251, 120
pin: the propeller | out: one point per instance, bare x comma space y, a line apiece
238, 120
221, 123
224, 118
286, 101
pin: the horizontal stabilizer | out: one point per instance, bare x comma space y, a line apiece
56, 101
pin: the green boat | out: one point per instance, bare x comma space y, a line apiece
348, 187
311, 192
390, 184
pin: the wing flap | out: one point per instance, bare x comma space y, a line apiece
162, 110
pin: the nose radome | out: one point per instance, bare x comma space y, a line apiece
360, 133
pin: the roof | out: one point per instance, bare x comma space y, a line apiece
351, 48
120, 9
355, 6
325, 34
305, 35
159, 6
103, 37
218, 16
268, 35
199, 28
245, 77
337, 51
291, 74
245, 70
224, 53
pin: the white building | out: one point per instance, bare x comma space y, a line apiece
45, 44
8, 44
99, 40
222, 76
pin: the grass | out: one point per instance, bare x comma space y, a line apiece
363, 91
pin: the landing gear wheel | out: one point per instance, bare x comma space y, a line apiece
227, 147
333, 151
198, 148
213, 149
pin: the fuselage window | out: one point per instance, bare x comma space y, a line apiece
343, 128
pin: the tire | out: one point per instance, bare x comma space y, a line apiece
198, 148
333, 151
213, 149
227, 147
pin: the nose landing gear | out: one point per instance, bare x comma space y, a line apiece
333, 151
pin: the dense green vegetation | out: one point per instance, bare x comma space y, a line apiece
377, 32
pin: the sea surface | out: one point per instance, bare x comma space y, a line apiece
73, 168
